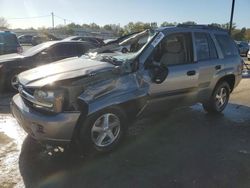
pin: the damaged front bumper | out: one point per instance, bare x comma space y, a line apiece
52, 129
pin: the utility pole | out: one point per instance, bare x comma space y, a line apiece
231, 19
64, 21
53, 26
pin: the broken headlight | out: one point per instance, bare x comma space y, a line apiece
49, 100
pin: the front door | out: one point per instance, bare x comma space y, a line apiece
175, 52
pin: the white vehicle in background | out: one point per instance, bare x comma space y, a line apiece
248, 55
124, 47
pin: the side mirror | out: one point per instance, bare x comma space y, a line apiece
159, 74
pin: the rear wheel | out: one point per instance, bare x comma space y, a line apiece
104, 130
11, 82
219, 99
14, 82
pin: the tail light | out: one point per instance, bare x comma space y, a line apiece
19, 50
242, 65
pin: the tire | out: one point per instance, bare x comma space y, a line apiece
124, 50
100, 136
9, 81
219, 99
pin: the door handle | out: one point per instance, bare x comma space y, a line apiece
191, 73
217, 67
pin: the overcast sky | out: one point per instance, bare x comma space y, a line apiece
121, 12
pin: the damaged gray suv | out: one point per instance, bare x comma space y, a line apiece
92, 99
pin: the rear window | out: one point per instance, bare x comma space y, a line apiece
10, 40
227, 45
205, 47
1, 39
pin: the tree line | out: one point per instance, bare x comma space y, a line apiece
237, 34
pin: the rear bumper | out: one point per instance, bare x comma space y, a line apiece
49, 129
237, 80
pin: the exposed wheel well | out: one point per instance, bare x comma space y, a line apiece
230, 79
133, 107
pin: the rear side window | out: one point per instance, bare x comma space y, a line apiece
1, 39
87, 46
82, 48
10, 40
227, 45
63, 50
205, 48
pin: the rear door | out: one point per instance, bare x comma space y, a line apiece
208, 61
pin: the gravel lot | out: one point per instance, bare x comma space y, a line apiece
185, 148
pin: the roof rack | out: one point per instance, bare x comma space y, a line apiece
211, 27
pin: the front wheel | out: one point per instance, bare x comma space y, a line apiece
104, 130
219, 99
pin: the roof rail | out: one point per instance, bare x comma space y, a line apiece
211, 27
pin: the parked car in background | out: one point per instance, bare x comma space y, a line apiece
92, 100
25, 39
43, 38
123, 48
9, 43
243, 47
94, 40
13, 64
120, 44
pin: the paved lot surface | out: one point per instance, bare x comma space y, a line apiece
185, 148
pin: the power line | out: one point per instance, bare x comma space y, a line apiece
33, 17
64, 19
43, 16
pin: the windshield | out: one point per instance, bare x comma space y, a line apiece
127, 48
38, 48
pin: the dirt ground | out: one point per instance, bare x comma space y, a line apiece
185, 148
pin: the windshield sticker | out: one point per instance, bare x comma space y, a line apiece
158, 38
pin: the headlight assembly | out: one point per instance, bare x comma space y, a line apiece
49, 100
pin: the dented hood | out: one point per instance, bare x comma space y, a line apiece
62, 70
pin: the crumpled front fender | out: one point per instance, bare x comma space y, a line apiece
114, 91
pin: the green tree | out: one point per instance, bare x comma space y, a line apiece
189, 23
240, 35
132, 27
107, 27
167, 24
94, 26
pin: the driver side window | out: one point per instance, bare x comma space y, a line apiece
175, 49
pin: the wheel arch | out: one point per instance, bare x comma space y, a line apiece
230, 79
128, 104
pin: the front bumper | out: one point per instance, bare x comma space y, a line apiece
56, 128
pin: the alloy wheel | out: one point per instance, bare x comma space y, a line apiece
221, 97
105, 130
